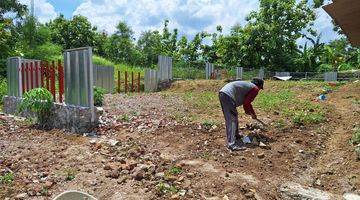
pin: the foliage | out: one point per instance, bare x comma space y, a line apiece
269, 39
355, 140
74, 33
164, 188
99, 96
3, 89
175, 170
7, 178
39, 101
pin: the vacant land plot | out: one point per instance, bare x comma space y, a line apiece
171, 144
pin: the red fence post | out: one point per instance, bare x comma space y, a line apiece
138, 82
27, 76
118, 82
36, 75
132, 81
52, 80
47, 75
126, 82
61, 81
31, 76
42, 74
23, 77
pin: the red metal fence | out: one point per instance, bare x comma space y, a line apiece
44, 74
133, 84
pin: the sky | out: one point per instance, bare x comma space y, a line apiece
189, 16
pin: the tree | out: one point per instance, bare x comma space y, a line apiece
74, 33
274, 30
149, 43
8, 32
120, 46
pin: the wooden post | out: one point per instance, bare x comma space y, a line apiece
132, 81
52, 77
23, 77
47, 76
61, 81
126, 82
119, 81
27, 76
138, 82
31, 76
36, 75
42, 74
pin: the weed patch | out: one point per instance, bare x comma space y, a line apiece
7, 178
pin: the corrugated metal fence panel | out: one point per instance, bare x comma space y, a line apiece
79, 77
282, 74
165, 68
209, 69
239, 73
14, 77
104, 77
330, 76
261, 73
151, 80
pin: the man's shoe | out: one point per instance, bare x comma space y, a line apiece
236, 148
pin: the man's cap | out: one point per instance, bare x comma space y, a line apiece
258, 82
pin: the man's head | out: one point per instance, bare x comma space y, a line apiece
258, 82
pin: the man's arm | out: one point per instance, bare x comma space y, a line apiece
247, 102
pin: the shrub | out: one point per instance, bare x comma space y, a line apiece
99, 96
39, 101
3, 89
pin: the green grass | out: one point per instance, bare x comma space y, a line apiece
7, 178
164, 188
355, 140
188, 73
300, 111
202, 100
175, 170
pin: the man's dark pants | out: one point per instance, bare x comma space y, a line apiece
231, 118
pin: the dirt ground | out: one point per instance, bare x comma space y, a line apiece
154, 146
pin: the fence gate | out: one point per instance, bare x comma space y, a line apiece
79, 78
165, 68
151, 80
330, 76
239, 73
104, 77
209, 70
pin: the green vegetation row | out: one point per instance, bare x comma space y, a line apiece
269, 39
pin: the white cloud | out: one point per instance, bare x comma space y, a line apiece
44, 10
190, 16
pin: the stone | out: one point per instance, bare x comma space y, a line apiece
349, 196
138, 174
21, 196
186, 184
48, 184
72, 118
160, 175
295, 191
113, 142
261, 155
122, 180
113, 174
190, 175
249, 195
